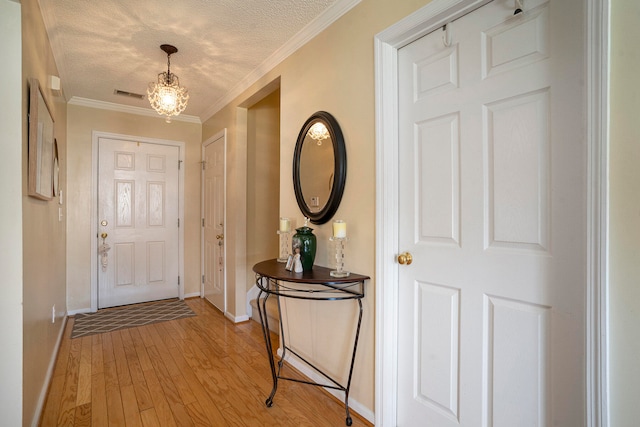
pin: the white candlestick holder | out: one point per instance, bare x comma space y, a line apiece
339, 243
284, 246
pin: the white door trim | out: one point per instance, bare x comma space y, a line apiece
597, 132
215, 137
387, 43
95, 136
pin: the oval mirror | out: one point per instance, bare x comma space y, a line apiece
319, 167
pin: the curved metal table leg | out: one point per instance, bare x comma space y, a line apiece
353, 359
264, 321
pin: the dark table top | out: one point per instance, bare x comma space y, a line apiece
318, 275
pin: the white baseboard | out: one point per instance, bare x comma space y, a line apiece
354, 405
236, 319
47, 379
79, 311
193, 295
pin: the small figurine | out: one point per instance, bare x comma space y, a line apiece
297, 262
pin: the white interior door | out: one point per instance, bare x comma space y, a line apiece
213, 223
492, 209
138, 210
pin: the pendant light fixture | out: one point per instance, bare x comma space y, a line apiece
166, 96
318, 132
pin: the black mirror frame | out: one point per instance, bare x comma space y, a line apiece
340, 168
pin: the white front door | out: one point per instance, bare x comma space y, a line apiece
492, 209
213, 223
138, 213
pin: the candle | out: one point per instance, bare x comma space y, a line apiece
285, 225
339, 229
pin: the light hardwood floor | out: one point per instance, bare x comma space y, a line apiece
199, 371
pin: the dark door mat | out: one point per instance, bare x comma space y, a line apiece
112, 319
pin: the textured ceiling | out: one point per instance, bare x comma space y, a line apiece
100, 46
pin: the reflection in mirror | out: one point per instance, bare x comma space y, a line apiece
318, 132
319, 167
316, 171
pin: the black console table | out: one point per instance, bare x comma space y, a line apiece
316, 284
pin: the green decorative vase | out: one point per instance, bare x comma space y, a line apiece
304, 242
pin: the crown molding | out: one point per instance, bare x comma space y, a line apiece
315, 27
102, 105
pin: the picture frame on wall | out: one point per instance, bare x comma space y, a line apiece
41, 145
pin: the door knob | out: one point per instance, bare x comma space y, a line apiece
405, 258
219, 236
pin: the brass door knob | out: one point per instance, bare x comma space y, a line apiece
103, 235
405, 258
219, 236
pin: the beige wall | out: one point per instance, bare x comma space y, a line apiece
346, 90
11, 112
263, 181
44, 236
624, 222
82, 122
